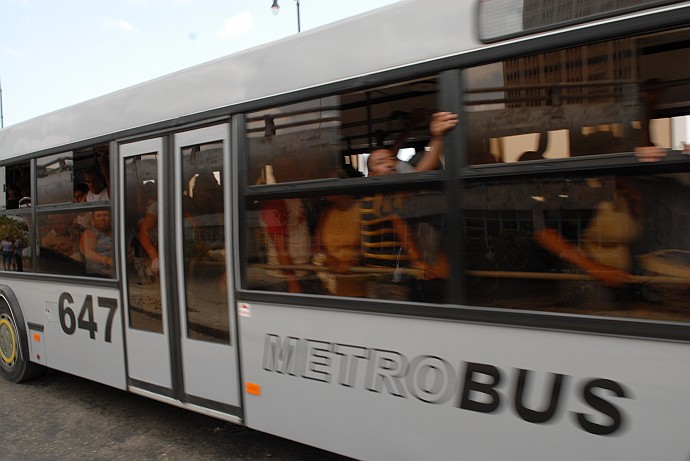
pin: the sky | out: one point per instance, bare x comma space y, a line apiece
56, 53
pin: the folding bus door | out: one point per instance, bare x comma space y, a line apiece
142, 235
208, 343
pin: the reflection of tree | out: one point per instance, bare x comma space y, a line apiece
11, 226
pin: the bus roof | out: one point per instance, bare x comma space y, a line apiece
406, 32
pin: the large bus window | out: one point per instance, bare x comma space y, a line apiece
596, 245
606, 242
141, 234
332, 137
380, 246
71, 240
203, 230
54, 175
601, 98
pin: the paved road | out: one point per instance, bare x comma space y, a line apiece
60, 417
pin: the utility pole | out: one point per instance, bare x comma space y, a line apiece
2, 114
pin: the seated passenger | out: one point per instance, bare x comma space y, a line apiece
98, 245
59, 238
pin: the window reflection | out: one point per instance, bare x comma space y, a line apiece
16, 247
602, 98
54, 175
204, 243
59, 240
332, 137
382, 246
600, 245
141, 236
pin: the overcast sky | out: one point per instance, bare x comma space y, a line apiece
55, 53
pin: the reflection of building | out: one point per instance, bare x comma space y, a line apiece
546, 13
599, 62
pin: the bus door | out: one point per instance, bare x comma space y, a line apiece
179, 328
209, 346
142, 234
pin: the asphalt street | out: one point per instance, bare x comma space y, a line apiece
60, 417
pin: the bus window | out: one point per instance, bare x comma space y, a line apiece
380, 246
608, 243
54, 176
93, 171
596, 245
203, 210
17, 181
603, 98
587, 100
331, 137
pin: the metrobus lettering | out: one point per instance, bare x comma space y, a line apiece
478, 387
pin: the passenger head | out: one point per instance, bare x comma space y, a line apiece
382, 162
13, 192
60, 223
101, 219
93, 181
80, 191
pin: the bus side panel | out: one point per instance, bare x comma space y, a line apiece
82, 328
376, 387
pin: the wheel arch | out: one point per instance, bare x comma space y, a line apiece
27, 369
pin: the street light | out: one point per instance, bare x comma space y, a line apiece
275, 8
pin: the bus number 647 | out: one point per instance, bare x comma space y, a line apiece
85, 321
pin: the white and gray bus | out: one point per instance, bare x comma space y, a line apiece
211, 239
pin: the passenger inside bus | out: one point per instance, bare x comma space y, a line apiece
62, 237
339, 247
80, 192
385, 161
145, 246
97, 245
97, 190
13, 197
633, 243
287, 236
399, 239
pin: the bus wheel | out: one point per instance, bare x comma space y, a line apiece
14, 363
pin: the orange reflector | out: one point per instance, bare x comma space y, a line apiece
37, 337
253, 388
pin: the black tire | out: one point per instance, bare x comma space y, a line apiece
15, 365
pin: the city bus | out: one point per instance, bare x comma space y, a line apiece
513, 286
